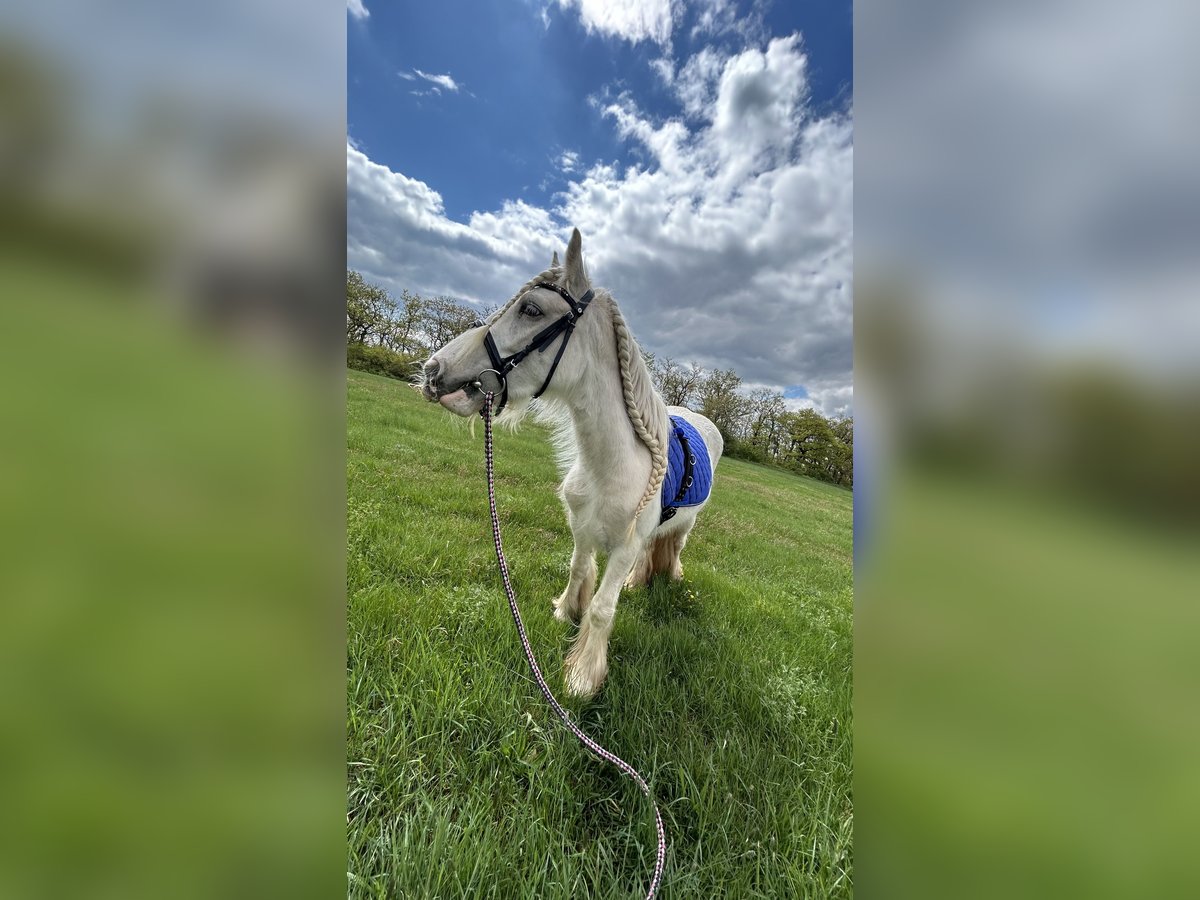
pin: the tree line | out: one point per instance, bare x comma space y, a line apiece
393, 336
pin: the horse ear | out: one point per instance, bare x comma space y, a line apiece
554, 260
577, 280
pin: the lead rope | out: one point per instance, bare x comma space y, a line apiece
537, 672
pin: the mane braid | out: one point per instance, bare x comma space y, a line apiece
646, 410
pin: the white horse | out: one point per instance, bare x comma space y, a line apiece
613, 437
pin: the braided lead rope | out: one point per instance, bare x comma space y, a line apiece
537, 672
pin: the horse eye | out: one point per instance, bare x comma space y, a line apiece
531, 310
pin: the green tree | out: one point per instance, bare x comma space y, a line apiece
722, 401
764, 407
444, 318
841, 457
404, 333
369, 310
807, 443
675, 383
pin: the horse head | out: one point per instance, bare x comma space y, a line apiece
529, 334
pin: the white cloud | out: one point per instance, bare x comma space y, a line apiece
633, 20
697, 80
830, 399
713, 16
357, 9
664, 66
759, 106
399, 236
569, 161
407, 76
795, 404
730, 246
442, 81
719, 17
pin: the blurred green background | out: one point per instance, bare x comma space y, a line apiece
1027, 409
172, 633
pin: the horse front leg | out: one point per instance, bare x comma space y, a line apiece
587, 664
572, 603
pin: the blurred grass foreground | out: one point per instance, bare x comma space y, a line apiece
171, 632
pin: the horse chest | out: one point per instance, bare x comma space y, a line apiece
598, 508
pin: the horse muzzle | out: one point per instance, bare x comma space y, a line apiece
436, 383
466, 401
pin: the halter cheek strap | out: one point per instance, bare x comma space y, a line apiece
495, 379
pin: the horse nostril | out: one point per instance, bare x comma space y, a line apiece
431, 370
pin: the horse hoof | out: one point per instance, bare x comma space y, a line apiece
638, 580
578, 687
583, 678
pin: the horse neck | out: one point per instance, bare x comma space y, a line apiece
604, 436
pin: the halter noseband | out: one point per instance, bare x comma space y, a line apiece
495, 379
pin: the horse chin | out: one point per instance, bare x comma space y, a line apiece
463, 402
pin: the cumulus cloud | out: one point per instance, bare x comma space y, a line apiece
357, 9
730, 245
398, 235
633, 20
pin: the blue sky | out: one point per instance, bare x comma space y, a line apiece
710, 140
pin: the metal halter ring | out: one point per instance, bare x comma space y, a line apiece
490, 381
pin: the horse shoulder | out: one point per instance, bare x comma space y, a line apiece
574, 490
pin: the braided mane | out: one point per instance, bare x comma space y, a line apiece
645, 408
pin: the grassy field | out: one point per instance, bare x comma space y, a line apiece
730, 692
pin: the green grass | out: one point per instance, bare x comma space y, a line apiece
730, 692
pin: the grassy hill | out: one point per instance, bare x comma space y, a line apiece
730, 692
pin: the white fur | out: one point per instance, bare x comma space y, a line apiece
610, 437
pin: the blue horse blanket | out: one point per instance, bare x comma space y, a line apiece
697, 492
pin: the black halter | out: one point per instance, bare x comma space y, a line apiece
496, 380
